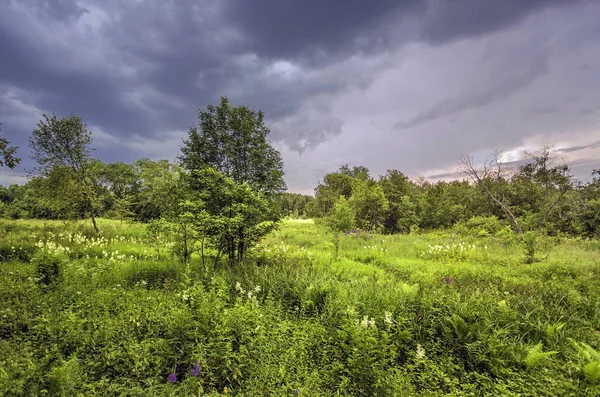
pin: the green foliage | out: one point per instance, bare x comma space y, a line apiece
340, 220
369, 204
48, 268
233, 141
7, 153
61, 147
120, 318
506, 235
535, 356
236, 173
483, 226
591, 365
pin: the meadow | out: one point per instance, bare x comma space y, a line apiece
444, 313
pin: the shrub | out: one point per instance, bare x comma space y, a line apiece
483, 226
20, 252
48, 268
529, 246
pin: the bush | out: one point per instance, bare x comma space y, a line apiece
20, 252
48, 268
529, 246
483, 226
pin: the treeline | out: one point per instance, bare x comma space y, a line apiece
220, 194
540, 195
228, 181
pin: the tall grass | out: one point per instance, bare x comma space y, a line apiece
393, 315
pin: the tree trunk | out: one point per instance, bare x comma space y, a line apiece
507, 211
94, 223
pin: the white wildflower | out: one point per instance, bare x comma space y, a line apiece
388, 318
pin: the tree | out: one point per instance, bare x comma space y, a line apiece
490, 175
233, 141
395, 186
340, 220
7, 153
369, 204
236, 172
336, 184
552, 180
65, 143
157, 190
239, 215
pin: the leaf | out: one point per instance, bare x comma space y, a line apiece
535, 356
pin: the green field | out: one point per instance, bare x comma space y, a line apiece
430, 314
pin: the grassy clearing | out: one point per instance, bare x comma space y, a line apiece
433, 314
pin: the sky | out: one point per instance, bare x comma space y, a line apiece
389, 84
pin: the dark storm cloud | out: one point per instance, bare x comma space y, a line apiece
450, 20
60, 10
141, 69
318, 31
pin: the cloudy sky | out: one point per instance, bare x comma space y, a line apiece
406, 84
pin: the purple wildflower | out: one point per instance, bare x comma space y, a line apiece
196, 370
448, 280
172, 378
296, 392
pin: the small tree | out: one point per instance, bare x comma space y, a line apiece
122, 207
7, 153
66, 143
236, 172
235, 216
340, 220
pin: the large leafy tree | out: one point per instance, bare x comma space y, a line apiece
8, 156
237, 173
63, 145
233, 141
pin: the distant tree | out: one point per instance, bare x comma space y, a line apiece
551, 179
340, 220
369, 204
408, 219
293, 204
122, 208
158, 190
7, 153
65, 143
491, 174
334, 185
236, 172
397, 188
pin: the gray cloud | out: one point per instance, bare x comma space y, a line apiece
592, 145
501, 77
137, 71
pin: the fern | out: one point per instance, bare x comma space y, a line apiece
554, 330
535, 356
591, 370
